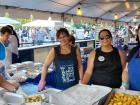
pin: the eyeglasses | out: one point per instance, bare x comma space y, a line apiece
106, 37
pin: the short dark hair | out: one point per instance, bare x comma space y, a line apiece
5, 29
10, 27
72, 39
62, 31
109, 33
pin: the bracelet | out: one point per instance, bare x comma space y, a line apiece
125, 83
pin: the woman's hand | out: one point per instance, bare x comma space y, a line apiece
7, 85
124, 86
41, 85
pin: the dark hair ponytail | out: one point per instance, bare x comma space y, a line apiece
14, 33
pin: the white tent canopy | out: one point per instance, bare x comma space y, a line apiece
40, 23
104, 9
7, 21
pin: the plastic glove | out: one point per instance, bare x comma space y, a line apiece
2, 101
80, 82
41, 85
124, 86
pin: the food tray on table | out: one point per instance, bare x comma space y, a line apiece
19, 79
17, 66
33, 97
123, 97
80, 95
32, 74
36, 99
20, 76
28, 63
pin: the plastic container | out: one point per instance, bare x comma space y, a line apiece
20, 73
2, 101
12, 70
81, 95
28, 63
129, 92
2, 90
17, 66
34, 103
38, 64
13, 98
50, 91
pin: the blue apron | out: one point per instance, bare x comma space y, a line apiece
66, 71
134, 73
2, 58
2, 51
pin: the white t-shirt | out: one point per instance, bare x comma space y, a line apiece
13, 44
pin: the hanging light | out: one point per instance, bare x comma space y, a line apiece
115, 17
81, 21
31, 17
50, 18
134, 19
79, 11
6, 14
127, 4
71, 21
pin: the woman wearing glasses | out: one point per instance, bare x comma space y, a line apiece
132, 69
106, 63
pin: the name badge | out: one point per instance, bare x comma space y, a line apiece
101, 58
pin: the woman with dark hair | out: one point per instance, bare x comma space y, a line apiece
14, 44
67, 62
72, 40
132, 70
5, 33
105, 64
4, 36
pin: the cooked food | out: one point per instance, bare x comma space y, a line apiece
33, 99
19, 79
124, 99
